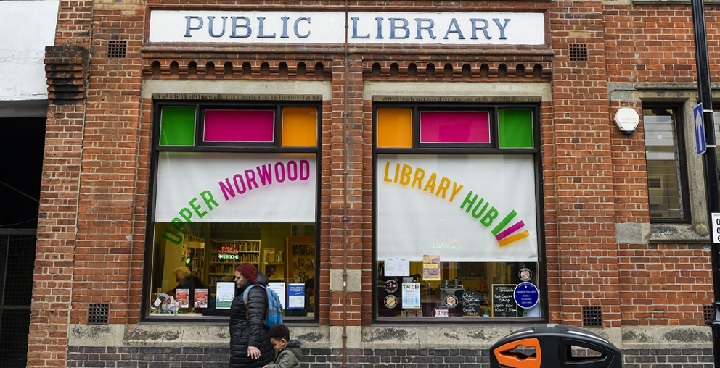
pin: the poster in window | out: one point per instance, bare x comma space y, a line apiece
225, 294
201, 298
182, 296
397, 267
296, 296
411, 295
431, 268
279, 288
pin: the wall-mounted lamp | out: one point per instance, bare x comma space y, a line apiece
627, 119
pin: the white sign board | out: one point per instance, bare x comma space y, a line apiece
235, 187
462, 208
716, 228
27, 28
293, 27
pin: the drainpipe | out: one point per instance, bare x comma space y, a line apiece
346, 145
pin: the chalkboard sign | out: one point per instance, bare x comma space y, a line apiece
471, 303
503, 300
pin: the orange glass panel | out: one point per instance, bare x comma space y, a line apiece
299, 127
394, 127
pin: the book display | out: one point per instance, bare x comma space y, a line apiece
198, 268
293, 263
274, 264
300, 263
226, 254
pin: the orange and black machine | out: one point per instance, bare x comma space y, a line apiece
554, 346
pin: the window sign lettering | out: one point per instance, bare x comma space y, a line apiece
464, 208
215, 186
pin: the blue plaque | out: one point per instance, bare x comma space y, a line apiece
526, 295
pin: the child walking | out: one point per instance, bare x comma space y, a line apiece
287, 353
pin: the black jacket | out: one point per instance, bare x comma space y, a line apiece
248, 330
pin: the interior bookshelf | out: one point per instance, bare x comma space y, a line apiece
273, 264
300, 252
225, 255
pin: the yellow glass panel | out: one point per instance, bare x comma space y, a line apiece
394, 127
299, 126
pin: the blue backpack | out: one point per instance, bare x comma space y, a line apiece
274, 311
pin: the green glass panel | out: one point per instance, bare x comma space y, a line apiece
177, 126
516, 128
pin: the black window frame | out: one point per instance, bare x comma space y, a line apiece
454, 148
201, 106
233, 147
681, 161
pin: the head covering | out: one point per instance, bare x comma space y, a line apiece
248, 271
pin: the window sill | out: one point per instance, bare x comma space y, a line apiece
678, 233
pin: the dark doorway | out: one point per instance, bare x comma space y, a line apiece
21, 155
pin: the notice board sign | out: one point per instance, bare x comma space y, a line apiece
503, 300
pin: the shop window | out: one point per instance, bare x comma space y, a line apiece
456, 220
667, 181
218, 205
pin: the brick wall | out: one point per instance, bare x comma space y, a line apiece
582, 247
91, 234
653, 44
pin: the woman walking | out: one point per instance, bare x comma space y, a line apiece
250, 345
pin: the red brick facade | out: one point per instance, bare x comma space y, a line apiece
95, 192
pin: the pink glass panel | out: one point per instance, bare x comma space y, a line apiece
239, 126
454, 127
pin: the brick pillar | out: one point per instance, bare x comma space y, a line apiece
112, 209
349, 226
66, 70
581, 248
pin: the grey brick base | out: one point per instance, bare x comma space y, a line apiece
188, 357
